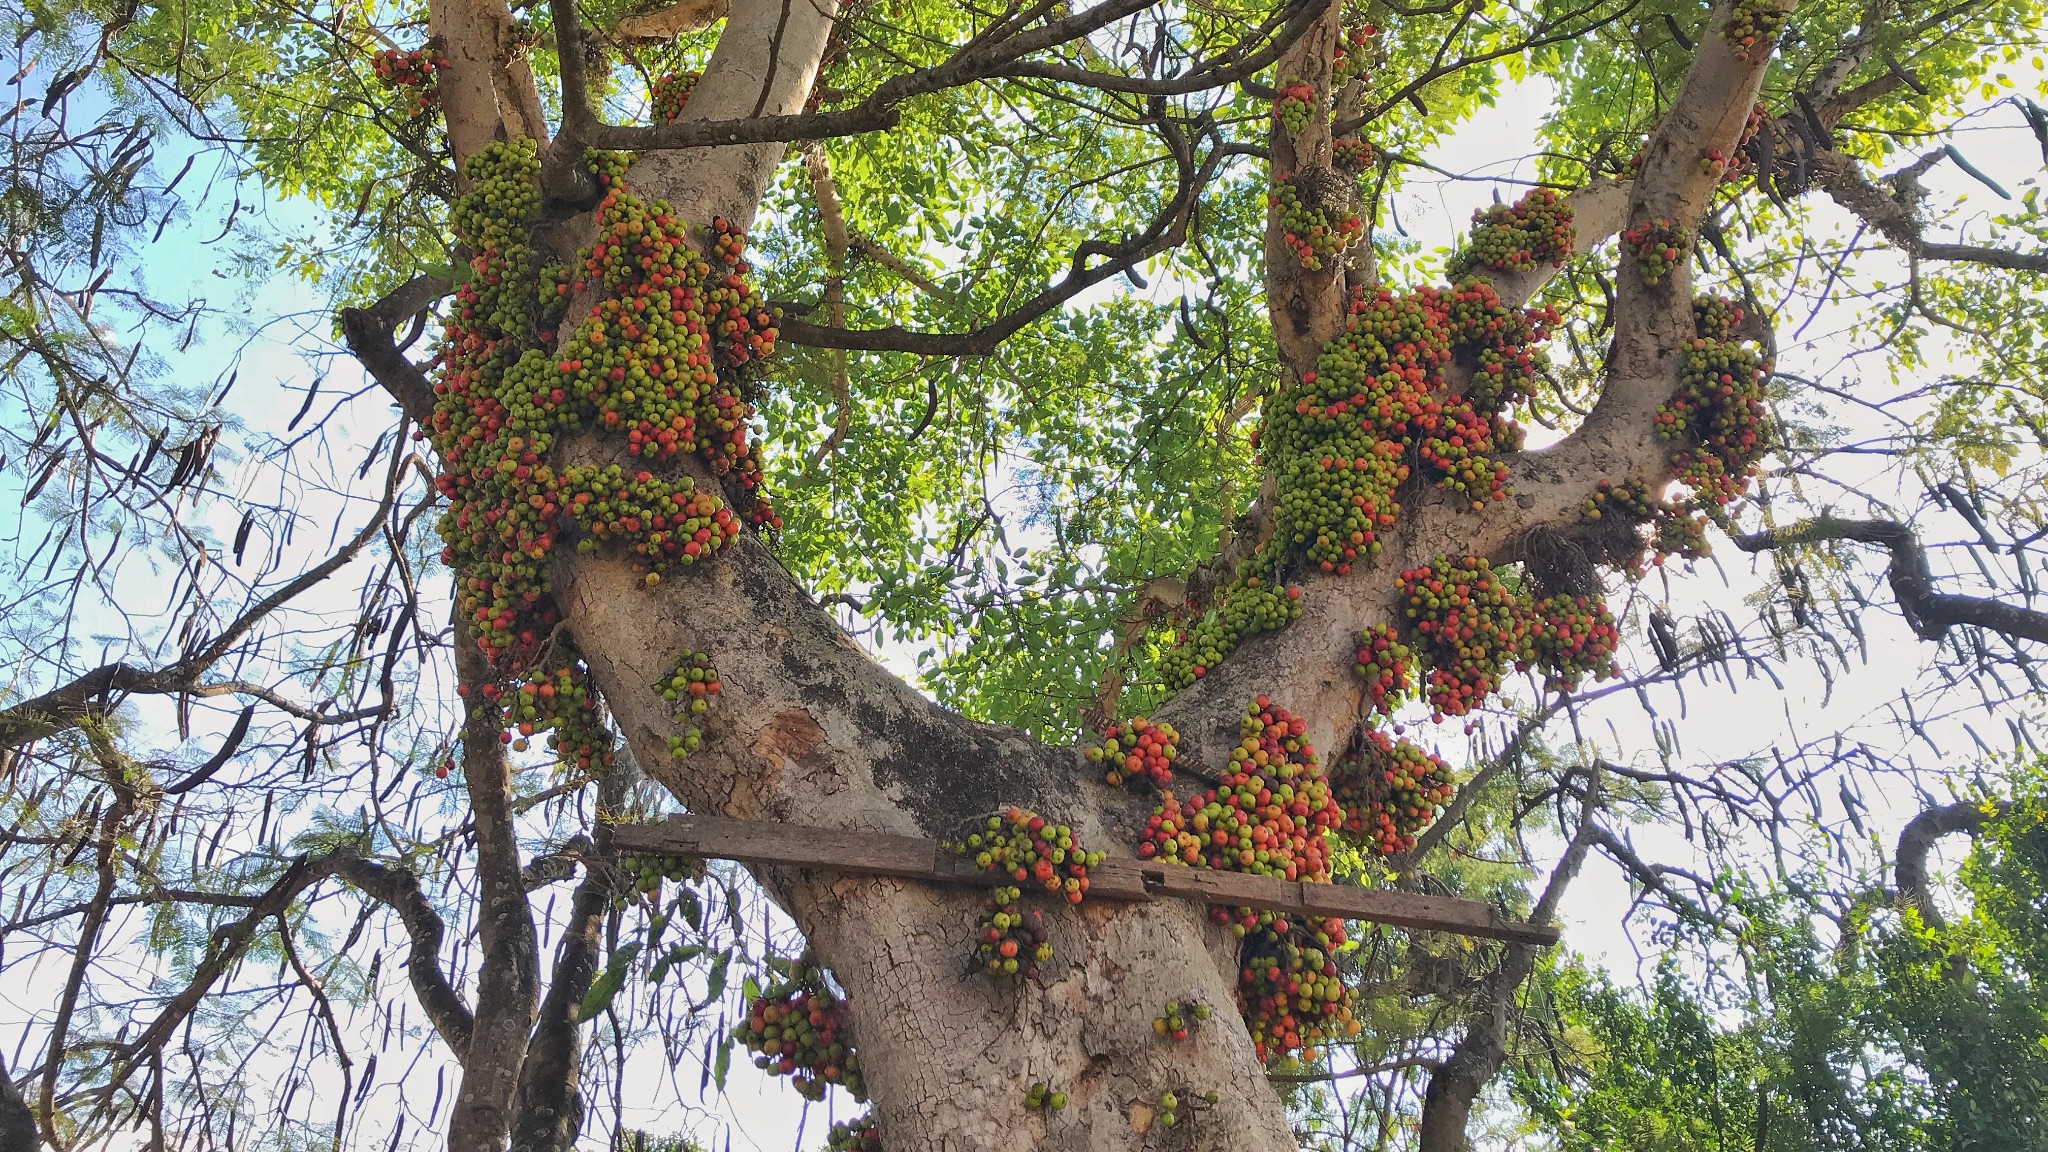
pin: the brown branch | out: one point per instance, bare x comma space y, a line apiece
1233, 64
1353, 1073
1652, 877
17, 1120
1166, 230
371, 334
399, 890
1918, 838
487, 91
508, 976
223, 952
549, 1110
869, 247
63, 706
120, 777
832, 221
321, 1003
992, 54
1305, 306
1455, 1087
1894, 215
678, 19
1929, 613
2004, 258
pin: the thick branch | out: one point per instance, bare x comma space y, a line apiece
399, 890
997, 51
1306, 305
17, 1121
550, 1106
1894, 216
371, 334
508, 978
1929, 613
1455, 1087
1918, 838
487, 91
678, 19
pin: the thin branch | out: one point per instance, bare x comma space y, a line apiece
1166, 230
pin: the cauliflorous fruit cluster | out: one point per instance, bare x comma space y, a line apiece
1353, 154
1716, 317
1657, 245
647, 871
1315, 232
1469, 628
1573, 637
690, 687
1391, 789
796, 1028
1536, 229
1718, 419
659, 359
1294, 105
1173, 1023
1010, 938
416, 73
1173, 1102
1339, 441
561, 702
1349, 62
1386, 665
862, 1135
1753, 28
1673, 530
1137, 749
1289, 988
1248, 605
1268, 815
1033, 851
669, 92
1042, 1095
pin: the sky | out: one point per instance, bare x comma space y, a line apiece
282, 345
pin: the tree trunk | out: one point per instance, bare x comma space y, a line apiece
808, 730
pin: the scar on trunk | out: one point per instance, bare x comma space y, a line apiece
792, 741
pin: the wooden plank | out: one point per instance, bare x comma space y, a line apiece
756, 842
1376, 905
914, 858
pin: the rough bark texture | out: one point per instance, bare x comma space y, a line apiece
1918, 838
17, 1122
508, 979
810, 730
487, 89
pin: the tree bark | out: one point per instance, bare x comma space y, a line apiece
809, 730
508, 978
17, 1121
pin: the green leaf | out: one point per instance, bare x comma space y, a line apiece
608, 983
